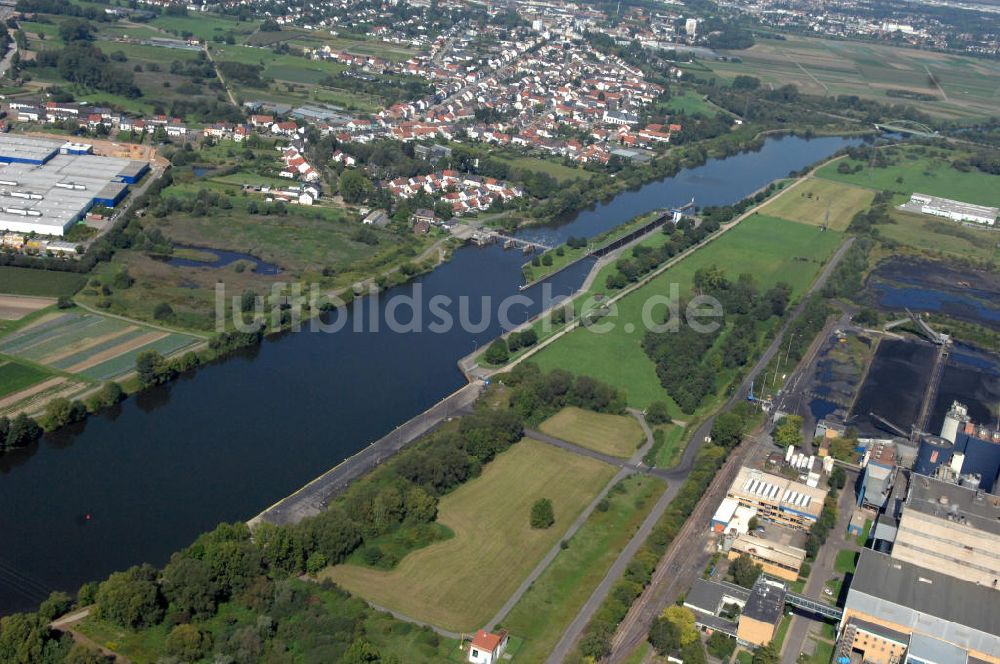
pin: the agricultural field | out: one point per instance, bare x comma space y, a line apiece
912, 172
616, 435
962, 86
820, 202
16, 307
771, 249
545, 611
460, 583
39, 283
15, 376
90, 345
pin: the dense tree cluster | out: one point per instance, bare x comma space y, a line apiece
18, 432
538, 395
85, 64
688, 358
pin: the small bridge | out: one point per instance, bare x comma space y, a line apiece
509, 242
814, 607
937, 338
907, 127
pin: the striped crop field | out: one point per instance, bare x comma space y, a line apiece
88, 344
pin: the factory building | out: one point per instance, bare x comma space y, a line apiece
965, 453
950, 528
781, 561
949, 209
46, 186
777, 499
896, 611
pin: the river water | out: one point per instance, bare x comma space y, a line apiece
141, 482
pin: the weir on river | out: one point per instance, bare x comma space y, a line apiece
238, 435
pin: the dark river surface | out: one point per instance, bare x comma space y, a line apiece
224, 444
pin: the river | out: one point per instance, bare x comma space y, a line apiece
144, 481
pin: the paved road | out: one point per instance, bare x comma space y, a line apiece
312, 498
633, 631
822, 571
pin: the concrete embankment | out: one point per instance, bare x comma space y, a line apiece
311, 499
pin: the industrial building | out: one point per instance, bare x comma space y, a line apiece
779, 560
46, 186
759, 609
950, 528
965, 452
778, 499
949, 209
895, 607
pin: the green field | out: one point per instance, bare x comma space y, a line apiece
915, 173
939, 237
690, 103
771, 249
673, 446
616, 435
459, 584
203, 27
559, 171
545, 611
43, 283
818, 201
833, 67
15, 376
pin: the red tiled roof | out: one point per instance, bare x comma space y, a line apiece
486, 641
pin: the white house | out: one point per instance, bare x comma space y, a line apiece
487, 648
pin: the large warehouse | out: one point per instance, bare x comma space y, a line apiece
46, 186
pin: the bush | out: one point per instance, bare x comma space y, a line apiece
497, 353
542, 515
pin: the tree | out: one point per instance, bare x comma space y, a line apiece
152, 368
188, 585
22, 432
683, 621
76, 29
657, 413
721, 646
842, 449
497, 353
745, 571
838, 478
767, 654
22, 638
753, 523
61, 411
788, 431
81, 654
57, 604
354, 186
542, 514
188, 643
131, 598
163, 311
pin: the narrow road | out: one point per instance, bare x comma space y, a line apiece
632, 631
634, 464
